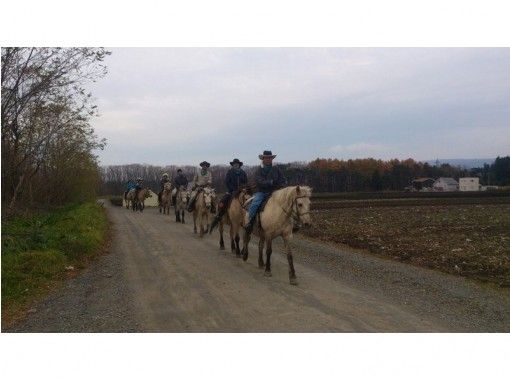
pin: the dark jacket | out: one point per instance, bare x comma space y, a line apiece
235, 180
270, 181
181, 180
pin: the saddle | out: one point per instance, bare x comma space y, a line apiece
262, 205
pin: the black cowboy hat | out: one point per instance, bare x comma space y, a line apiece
205, 163
236, 161
267, 153
179, 170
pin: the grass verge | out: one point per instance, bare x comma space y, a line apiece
39, 251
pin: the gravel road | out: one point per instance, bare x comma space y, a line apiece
160, 277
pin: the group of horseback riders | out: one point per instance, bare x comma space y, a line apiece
268, 178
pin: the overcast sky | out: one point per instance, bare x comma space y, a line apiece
182, 106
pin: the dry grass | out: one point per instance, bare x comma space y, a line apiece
470, 240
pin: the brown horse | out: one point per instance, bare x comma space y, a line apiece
234, 217
203, 210
166, 198
181, 200
138, 200
286, 210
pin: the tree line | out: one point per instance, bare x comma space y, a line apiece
498, 173
47, 141
324, 175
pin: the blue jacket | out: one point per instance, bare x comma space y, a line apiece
130, 185
235, 180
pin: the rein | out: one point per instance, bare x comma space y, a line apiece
294, 211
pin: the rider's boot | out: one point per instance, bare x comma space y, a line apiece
249, 226
191, 205
216, 220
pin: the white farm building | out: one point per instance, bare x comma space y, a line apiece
445, 184
469, 184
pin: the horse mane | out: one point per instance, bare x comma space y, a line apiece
284, 195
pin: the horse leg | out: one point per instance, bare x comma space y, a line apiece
231, 234
238, 251
207, 225
246, 241
261, 251
201, 223
222, 242
182, 219
194, 222
292, 272
269, 251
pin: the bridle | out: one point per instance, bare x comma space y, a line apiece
294, 211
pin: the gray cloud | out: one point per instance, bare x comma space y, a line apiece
181, 105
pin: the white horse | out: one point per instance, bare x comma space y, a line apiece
203, 210
285, 211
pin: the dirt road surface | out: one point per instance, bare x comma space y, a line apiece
160, 277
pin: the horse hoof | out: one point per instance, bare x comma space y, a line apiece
222, 247
293, 281
238, 255
261, 265
268, 274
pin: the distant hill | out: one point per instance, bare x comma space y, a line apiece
467, 163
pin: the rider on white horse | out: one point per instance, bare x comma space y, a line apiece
203, 178
179, 181
164, 179
268, 178
235, 180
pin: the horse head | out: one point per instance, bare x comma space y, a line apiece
301, 210
167, 186
183, 195
209, 197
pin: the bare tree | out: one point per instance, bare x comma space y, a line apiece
45, 107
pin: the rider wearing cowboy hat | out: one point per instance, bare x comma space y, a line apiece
180, 180
164, 179
268, 178
235, 180
203, 178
